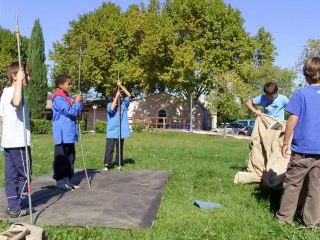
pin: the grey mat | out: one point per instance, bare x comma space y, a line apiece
123, 199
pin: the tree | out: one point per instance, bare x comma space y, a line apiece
184, 47
9, 52
265, 51
36, 93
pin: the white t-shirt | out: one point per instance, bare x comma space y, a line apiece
13, 131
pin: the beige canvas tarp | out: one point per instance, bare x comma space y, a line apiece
266, 163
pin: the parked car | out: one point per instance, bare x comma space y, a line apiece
232, 128
247, 122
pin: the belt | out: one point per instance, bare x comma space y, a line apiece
305, 155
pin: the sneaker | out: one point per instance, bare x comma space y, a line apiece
67, 182
19, 213
107, 167
61, 184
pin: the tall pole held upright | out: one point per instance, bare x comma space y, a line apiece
79, 128
28, 167
119, 126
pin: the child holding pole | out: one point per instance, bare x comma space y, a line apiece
13, 140
65, 131
114, 131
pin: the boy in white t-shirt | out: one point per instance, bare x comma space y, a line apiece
11, 112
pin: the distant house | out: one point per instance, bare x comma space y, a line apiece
166, 105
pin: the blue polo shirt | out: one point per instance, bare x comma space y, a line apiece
304, 103
273, 108
113, 120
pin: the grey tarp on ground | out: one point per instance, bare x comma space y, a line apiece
126, 199
266, 163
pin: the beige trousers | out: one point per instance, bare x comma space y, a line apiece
300, 168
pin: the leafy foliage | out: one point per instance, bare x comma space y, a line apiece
100, 126
40, 126
9, 52
184, 47
36, 92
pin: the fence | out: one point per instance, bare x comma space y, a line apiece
166, 122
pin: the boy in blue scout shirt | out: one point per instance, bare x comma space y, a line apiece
272, 103
113, 129
65, 131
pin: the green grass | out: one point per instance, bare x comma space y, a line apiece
202, 167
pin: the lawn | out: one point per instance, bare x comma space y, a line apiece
202, 167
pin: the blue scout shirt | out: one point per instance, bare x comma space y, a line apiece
273, 108
304, 103
113, 118
64, 124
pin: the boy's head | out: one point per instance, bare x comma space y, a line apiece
13, 70
271, 90
63, 82
311, 70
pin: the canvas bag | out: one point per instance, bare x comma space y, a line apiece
266, 163
23, 231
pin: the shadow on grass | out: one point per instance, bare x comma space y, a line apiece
238, 168
128, 161
273, 196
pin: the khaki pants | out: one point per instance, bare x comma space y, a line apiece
299, 168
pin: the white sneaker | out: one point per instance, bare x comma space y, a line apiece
69, 184
61, 184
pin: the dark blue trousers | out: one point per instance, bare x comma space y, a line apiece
16, 177
108, 156
63, 164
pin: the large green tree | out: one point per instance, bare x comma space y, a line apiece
186, 47
9, 52
36, 93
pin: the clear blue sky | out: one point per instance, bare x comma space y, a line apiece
291, 22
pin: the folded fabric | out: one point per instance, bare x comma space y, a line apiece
23, 231
207, 205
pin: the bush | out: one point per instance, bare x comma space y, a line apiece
83, 126
100, 126
40, 126
140, 127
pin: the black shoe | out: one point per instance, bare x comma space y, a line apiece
19, 213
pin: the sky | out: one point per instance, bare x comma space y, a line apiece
291, 22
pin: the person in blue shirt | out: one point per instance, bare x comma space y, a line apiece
113, 129
65, 131
304, 124
272, 103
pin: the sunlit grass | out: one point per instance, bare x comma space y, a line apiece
202, 167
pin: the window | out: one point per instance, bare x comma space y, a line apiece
162, 113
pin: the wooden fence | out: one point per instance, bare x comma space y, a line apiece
166, 122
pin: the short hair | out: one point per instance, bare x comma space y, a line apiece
14, 68
61, 79
311, 69
270, 88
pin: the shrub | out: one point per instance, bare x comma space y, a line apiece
40, 126
100, 126
83, 126
139, 127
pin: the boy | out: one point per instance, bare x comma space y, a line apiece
65, 131
13, 142
305, 158
272, 102
113, 127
